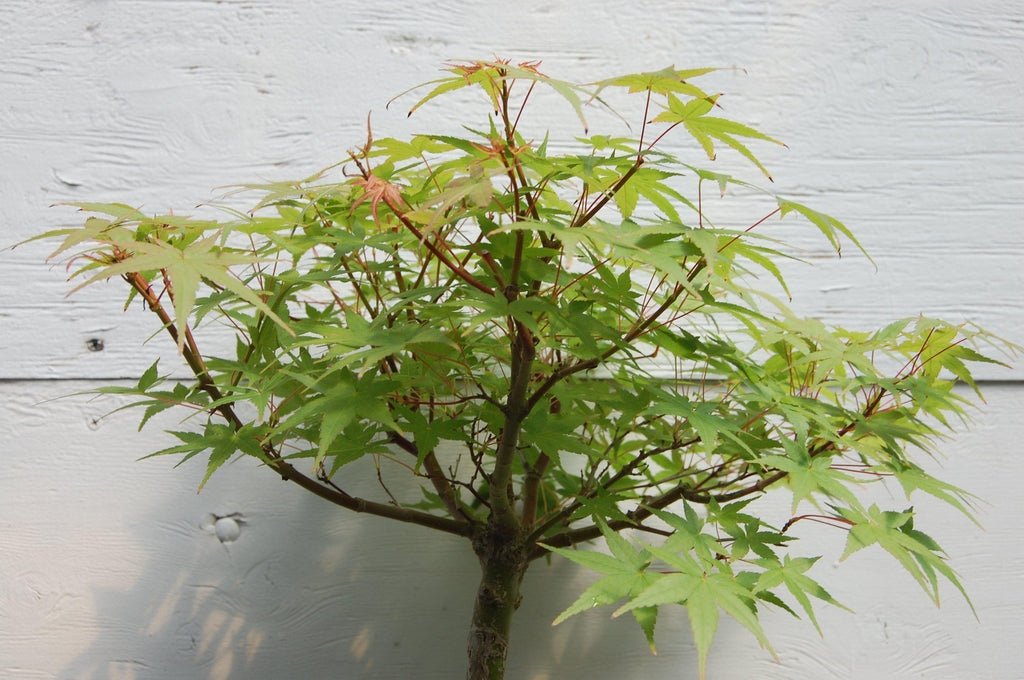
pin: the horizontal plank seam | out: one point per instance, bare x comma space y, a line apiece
107, 379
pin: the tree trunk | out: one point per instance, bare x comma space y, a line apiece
503, 562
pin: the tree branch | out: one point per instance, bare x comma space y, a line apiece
627, 470
272, 458
454, 267
441, 483
523, 353
632, 335
530, 488
685, 491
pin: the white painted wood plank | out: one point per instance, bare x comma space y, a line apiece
905, 121
106, 572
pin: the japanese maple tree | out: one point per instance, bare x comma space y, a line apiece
561, 344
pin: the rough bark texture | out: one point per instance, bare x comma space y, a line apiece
503, 562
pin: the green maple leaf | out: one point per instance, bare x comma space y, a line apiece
185, 269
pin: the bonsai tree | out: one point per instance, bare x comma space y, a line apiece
560, 344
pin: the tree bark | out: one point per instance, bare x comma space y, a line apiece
503, 561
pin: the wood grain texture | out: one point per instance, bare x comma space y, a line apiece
109, 569
903, 119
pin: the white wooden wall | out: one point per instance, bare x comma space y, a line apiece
904, 119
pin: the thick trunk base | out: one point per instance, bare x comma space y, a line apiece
503, 562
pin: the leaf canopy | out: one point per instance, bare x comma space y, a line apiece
564, 344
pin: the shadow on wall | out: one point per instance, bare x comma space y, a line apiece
311, 591
306, 590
